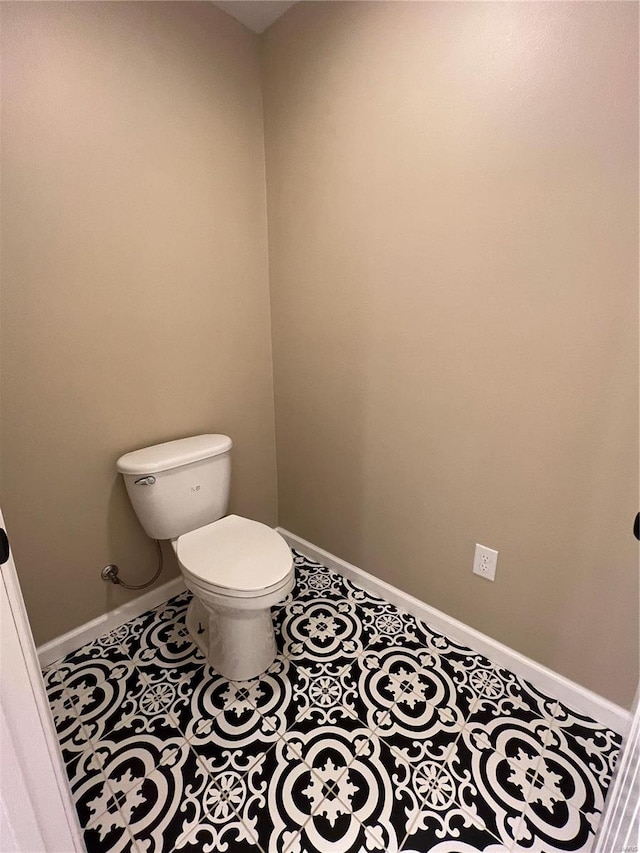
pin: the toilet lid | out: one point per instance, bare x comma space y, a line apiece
236, 554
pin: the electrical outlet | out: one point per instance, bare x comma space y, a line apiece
485, 562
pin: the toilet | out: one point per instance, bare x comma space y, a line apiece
237, 569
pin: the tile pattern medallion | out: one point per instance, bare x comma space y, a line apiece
370, 731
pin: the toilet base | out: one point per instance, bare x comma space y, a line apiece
239, 644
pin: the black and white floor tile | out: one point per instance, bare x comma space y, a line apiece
370, 731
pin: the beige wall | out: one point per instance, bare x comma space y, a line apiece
453, 236
134, 278
453, 259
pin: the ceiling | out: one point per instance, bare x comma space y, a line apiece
255, 14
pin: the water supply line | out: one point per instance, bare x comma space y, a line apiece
110, 573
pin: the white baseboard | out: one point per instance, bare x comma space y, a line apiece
571, 694
69, 642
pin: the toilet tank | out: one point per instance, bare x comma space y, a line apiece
180, 485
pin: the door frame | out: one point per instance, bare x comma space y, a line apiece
36, 807
619, 828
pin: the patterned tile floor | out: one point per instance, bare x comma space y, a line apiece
369, 732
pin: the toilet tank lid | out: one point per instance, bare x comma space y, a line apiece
173, 454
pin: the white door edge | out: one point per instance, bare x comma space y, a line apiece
45, 814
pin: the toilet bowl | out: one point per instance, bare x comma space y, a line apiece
236, 568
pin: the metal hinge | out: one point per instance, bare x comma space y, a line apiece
4, 546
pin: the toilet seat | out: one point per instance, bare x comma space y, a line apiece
236, 557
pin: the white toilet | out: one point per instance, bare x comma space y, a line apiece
237, 569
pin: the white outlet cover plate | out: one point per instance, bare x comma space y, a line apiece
485, 562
